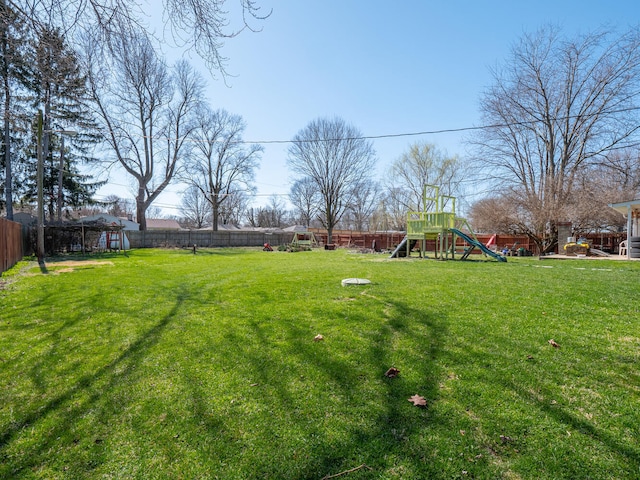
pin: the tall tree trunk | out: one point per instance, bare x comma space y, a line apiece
8, 177
60, 198
215, 208
141, 215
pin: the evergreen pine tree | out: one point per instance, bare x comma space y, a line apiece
61, 90
14, 73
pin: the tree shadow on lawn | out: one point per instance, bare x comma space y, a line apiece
373, 421
523, 397
214, 251
544, 400
88, 393
34, 321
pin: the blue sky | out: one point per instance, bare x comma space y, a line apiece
387, 67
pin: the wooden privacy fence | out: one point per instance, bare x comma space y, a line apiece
346, 238
389, 240
11, 251
204, 238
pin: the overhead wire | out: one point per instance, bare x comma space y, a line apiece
419, 133
395, 135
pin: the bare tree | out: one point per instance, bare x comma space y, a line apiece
201, 25
423, 164
614, 180
391, 213
119, 207
146, 113
269, 216
196, 208
587, 208
278, 209
555, 110
305, 198
365, 200
336, 157
496, 214
232, 210
221, 165
620, 173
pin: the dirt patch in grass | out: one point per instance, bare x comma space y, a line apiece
68, 266
55, 268
71, 264
629, 339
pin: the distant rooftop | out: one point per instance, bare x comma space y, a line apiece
162, 224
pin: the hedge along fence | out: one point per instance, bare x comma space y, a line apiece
11, 248
204, 238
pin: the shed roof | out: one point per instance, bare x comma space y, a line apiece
110, 219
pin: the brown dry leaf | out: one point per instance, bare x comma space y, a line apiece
318, 338
392, 372
418, 401
553, 343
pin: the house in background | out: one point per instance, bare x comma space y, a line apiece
162, 224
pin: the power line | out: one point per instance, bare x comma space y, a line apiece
400, 135
420, 133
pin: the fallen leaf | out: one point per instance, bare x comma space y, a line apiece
318, 338
418, 401
506, 439
553, 343
392, 372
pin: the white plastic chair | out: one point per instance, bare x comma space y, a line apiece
622, 248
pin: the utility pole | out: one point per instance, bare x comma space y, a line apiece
39, 182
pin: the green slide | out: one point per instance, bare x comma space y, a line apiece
476, 243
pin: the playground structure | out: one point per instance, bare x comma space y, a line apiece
438, 222
304, 239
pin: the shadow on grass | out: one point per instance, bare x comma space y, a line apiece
507, 377
572, 421
378, 418
80, 257
206, 251
43, 267
84, 396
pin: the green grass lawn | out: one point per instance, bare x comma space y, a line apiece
165, 364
